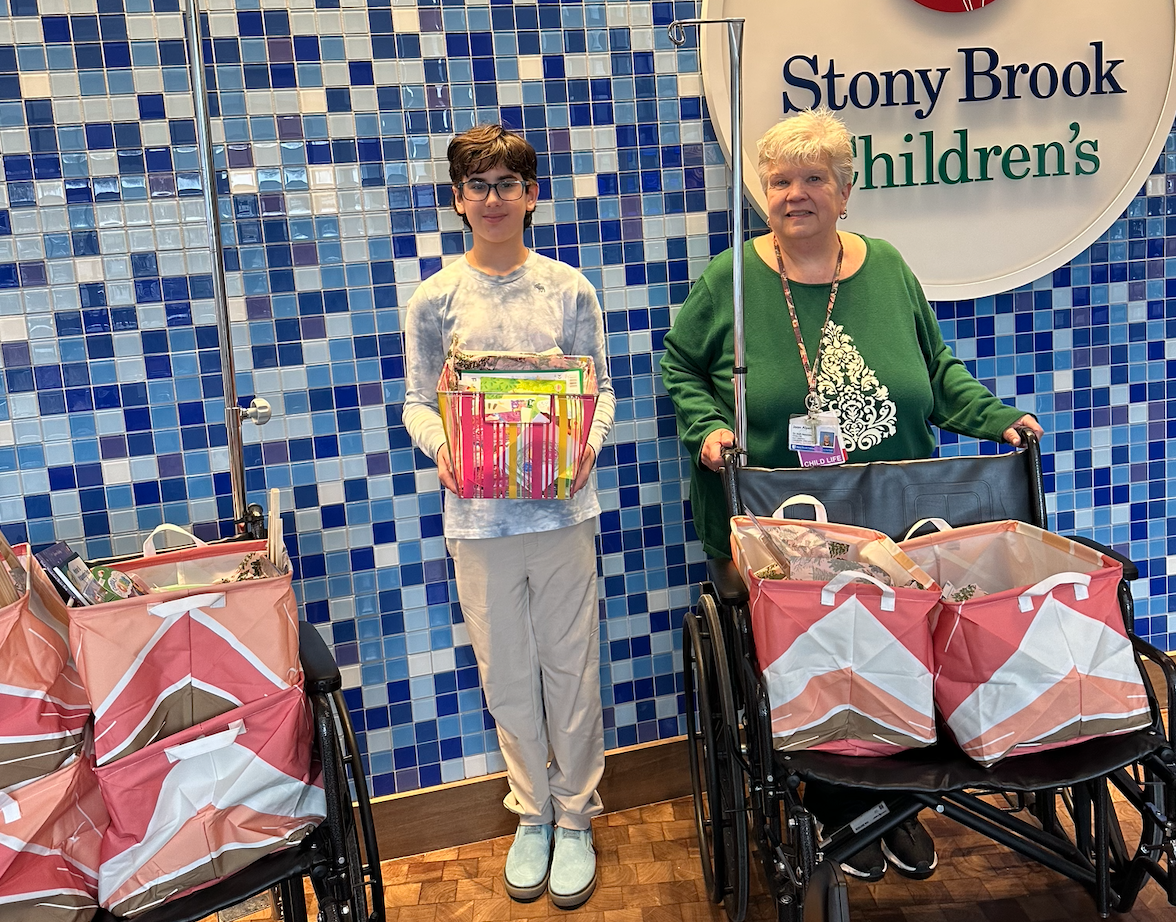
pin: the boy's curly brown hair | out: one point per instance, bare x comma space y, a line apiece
482, 148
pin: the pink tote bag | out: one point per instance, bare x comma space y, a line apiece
202, 804
1030, 648
43, 706
846, 660
50, 840
159, 663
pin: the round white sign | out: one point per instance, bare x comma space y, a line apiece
995, 140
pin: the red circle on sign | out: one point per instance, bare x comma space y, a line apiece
955, 6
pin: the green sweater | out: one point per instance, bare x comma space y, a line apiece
884, 368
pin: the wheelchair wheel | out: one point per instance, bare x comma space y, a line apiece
341, 885
1143, 790
700, 750
720, 799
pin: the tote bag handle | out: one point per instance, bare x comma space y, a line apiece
149, 549
1080, 582
803, 499
940, 525
205, 744
9, 808
837, 583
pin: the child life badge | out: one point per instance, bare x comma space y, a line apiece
816, 439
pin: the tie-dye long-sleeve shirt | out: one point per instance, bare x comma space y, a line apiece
542, 305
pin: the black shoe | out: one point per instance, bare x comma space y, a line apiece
868, 864
910, 849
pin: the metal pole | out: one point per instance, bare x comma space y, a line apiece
224, 331
735, 50
739, 379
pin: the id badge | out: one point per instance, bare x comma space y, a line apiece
820, 440
802, 432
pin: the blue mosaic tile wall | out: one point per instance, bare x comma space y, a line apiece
331, 120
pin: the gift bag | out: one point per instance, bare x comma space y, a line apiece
156, 664
843, 643
43, 707
1030, 648
50, 839
201, 805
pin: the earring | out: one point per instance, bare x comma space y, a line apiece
844, 215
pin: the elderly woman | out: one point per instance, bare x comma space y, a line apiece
837, 325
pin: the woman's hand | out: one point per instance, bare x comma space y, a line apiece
1028, 421
445, 470
712, 448
587, 460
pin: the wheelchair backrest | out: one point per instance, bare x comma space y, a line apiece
891, 496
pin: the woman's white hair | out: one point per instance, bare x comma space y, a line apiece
813, 136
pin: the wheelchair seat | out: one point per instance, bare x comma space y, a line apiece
1064, 817
943, 767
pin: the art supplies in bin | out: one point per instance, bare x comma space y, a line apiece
516, 423
67, 570
841, 619
43, 706
80, 584
1031, 651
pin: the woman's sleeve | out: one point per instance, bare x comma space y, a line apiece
962, 404
590, 341
424, 356
691, 350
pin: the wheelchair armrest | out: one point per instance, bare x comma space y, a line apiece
1130, 570
729, 585
1167, 666
318, 666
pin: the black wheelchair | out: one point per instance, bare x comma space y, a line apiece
339, 856
1054, 807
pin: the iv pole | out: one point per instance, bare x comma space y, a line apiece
248, 518
735, 49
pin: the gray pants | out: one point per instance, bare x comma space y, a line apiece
530, 607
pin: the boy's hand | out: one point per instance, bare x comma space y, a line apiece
587, 459
445, 470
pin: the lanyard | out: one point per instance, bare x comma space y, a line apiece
810, 372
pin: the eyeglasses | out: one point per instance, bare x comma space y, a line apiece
477, 190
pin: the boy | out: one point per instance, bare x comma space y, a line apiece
525, 569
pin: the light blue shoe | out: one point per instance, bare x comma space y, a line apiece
528, 862
573, 868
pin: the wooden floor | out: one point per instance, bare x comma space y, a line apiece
649, 872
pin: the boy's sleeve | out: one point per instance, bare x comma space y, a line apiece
424, 356
590, 341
